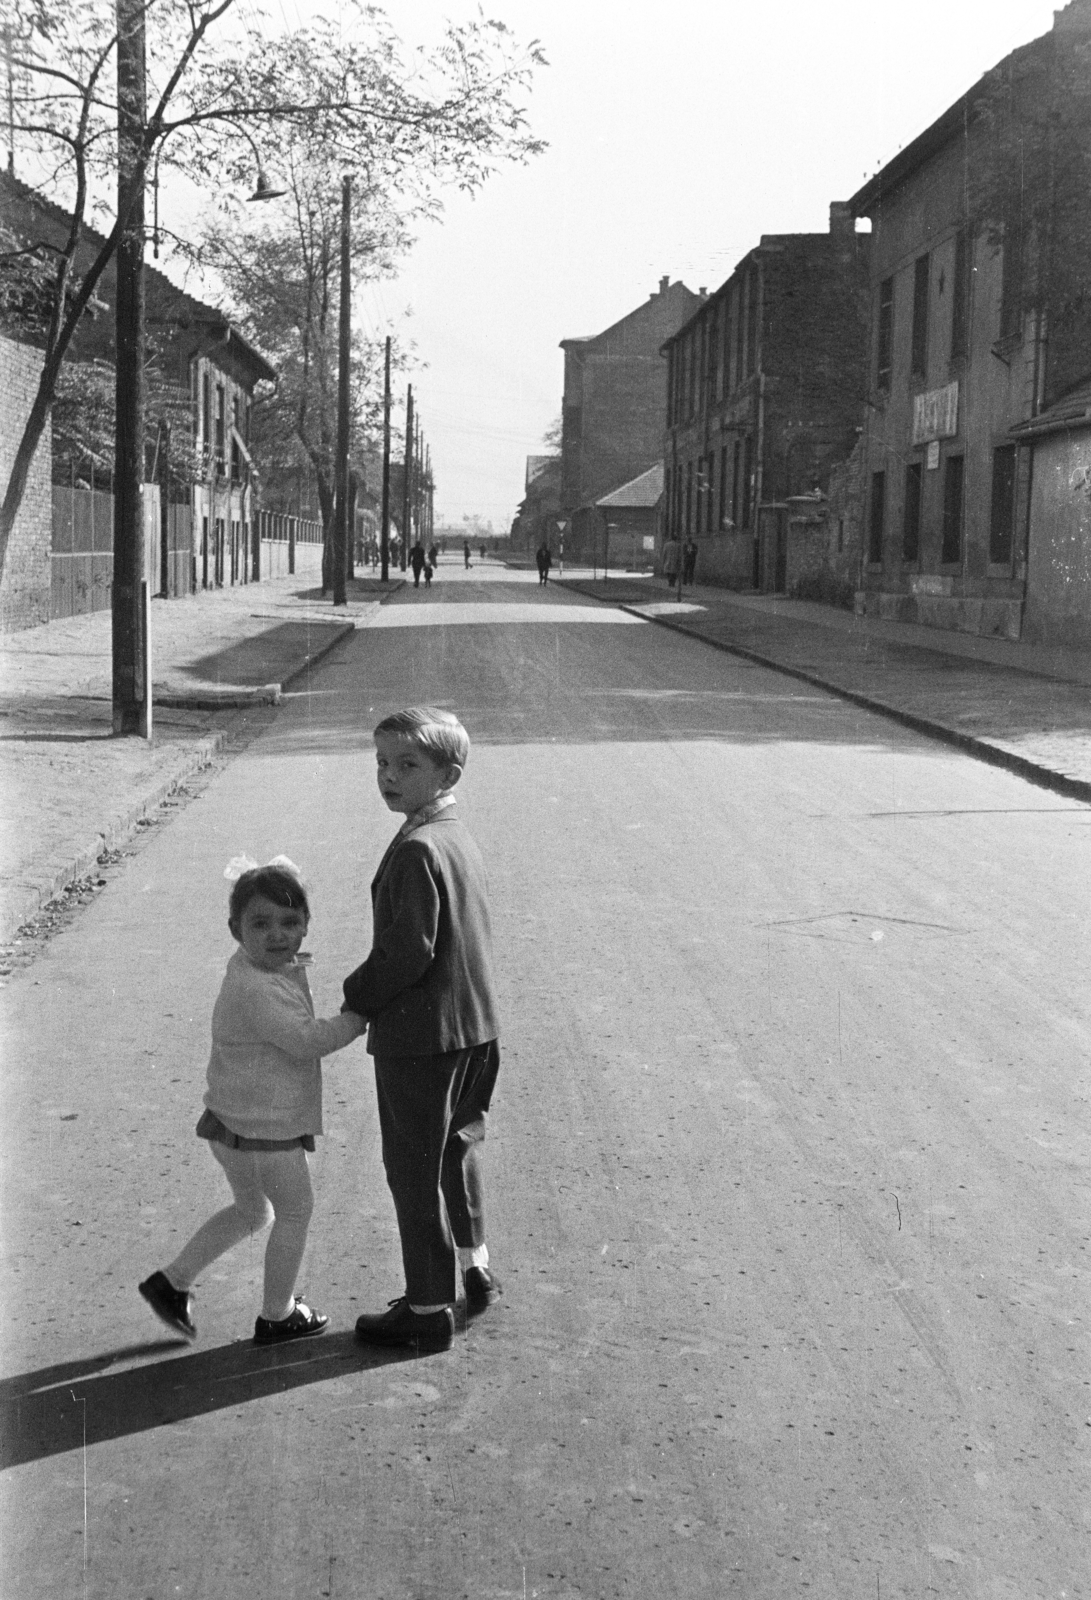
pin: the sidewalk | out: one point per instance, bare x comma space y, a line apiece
68, 790
1020, 706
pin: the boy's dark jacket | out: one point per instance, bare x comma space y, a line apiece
427, 986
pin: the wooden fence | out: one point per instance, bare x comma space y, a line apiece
82, 555
83, 549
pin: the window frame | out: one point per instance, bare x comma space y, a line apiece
998, 513
954, 512
876, 518
884, 336
912, 501
918, 343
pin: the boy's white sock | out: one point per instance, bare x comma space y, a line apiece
475, 1256
424, 1311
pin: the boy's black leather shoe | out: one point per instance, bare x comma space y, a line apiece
483, 1289
172, 1306
300, 1323
399, 1325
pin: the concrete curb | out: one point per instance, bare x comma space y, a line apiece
267, 694
995, 755
29, 898
119, 829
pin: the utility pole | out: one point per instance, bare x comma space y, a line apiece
407, 492
341, 502
384, 534
431, 496
132, 707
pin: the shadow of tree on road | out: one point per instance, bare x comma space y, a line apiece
78, 1403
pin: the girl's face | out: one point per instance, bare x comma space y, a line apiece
270, 934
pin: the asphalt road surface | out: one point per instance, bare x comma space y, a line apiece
788, 1166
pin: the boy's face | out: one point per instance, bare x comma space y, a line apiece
408, 777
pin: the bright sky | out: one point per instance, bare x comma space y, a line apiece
678, 134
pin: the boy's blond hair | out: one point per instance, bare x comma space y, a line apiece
438, 733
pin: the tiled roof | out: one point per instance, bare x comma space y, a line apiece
1073, 410
165, 301
642, 491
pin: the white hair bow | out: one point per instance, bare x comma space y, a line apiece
240, 864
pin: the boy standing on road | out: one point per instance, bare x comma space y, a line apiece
426, 990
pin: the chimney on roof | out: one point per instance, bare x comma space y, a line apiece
1074, 17
664, 284
703, 292
841, 217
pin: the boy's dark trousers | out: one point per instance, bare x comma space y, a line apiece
432, 1115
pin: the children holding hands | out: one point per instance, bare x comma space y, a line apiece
426, 997
263, 1103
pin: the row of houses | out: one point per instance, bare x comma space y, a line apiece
894, 414
203, 524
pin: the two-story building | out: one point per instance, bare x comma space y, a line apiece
765, 384
202, 378
615, 385
972, 354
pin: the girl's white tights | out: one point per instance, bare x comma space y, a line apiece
269, 1186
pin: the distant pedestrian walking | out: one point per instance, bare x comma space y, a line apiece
416, 561
263, 1104
466, 553
689, 560
428, 572
545, 561
670, 559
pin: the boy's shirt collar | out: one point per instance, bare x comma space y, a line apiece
417, 819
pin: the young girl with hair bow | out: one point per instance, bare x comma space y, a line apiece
263, 1103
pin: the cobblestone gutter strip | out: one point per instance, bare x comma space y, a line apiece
996, 755
976, 745
24, 898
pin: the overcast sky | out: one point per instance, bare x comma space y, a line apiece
679, 132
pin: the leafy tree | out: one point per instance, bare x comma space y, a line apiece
282, 275
220, 91
1028, 165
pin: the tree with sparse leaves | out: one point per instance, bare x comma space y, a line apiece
282, 275
1028, 183
222, 91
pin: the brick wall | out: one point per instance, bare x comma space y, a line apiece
26, 580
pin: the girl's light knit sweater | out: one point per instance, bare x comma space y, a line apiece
265, 1070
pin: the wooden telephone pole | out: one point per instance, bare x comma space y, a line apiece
384, 532
341, 532
132, 701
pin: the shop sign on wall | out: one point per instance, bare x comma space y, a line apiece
935, 414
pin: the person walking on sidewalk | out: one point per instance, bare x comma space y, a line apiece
263, 1104
670, 559
427, 992
466, 553
689, 559
416, 561
545, 561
